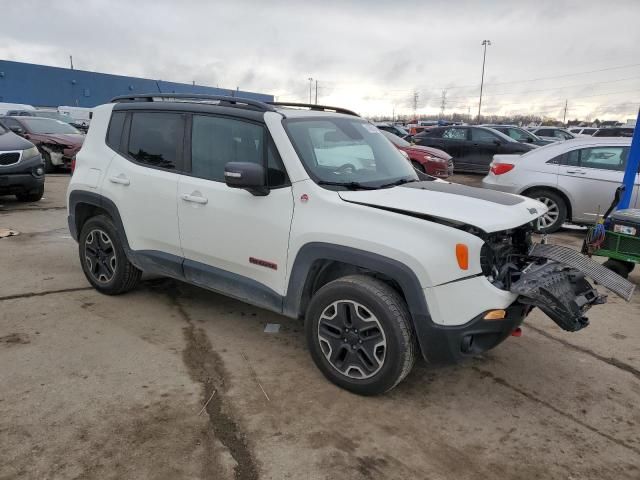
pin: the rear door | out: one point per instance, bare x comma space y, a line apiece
142, 179
591, 176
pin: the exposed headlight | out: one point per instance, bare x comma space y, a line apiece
429, 158
30, 153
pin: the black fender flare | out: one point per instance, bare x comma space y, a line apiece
398, 271
90, 198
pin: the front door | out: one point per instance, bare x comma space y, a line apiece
484, 145
592, 175
234, 242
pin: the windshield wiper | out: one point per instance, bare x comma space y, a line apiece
349, 185
401, 181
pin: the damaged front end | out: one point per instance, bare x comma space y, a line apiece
550, 277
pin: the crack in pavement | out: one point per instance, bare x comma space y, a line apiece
35, 209
614, 362
42, 294
207, 368
529, 396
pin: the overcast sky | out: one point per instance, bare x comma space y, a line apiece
367, 55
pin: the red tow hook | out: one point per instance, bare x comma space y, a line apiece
517, 332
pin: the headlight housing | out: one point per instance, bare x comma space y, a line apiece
404, 154
30, 153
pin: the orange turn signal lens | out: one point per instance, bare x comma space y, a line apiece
495, 315
462, 255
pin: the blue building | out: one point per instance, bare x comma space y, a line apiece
43, 86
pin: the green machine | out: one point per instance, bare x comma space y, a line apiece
616, 236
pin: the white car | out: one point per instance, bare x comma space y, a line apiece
576, 179
311, 213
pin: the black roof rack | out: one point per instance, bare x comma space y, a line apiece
311, 106
195, 97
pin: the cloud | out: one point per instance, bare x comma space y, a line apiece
366, 55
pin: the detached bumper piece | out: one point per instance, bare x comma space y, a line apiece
560, 291
599, 273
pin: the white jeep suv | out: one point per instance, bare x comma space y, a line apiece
311, 212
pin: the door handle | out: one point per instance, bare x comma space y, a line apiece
579, 172
120, 180
194, 199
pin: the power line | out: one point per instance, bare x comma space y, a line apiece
631, 65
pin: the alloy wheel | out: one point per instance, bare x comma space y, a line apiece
352, 339
552, 215
100, 256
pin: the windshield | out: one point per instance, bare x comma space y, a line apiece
519, 134
56, 116
347, 151
47, 125
396, 140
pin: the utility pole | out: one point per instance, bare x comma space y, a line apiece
316, 91
71, 61
443, 103
564, 119
415, 103
485, 43
310, 87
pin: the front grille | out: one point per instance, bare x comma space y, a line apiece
9, 158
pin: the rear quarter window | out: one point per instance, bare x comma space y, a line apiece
114, 134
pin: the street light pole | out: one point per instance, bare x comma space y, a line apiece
310, 87
484, 58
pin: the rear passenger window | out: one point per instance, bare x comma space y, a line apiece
455, 133
155, 139
216, 141
604, 158
114, 135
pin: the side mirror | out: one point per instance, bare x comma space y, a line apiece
248, 176
17, 130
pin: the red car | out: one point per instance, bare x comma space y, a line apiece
57, 141
426, 159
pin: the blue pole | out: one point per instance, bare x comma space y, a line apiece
632, 168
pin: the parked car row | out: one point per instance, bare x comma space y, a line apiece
575, 179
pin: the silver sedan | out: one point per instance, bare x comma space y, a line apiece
576, 179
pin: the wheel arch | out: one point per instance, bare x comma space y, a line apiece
555, 190
83, 205
319, 263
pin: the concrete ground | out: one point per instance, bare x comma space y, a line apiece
114, 387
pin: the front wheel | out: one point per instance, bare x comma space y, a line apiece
32, 196
359, 334
556, 211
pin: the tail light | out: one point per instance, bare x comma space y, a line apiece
73, 164
500, 168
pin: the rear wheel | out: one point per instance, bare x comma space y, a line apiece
620, 267
103, 259
556, 214
359, 334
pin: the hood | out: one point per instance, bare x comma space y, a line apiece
434, 152
11, 141
71, 139
488, 210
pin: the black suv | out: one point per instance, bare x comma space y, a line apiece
472, 148
21, 167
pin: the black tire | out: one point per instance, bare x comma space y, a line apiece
620, 267
103, 258
384, 351
32, 196
557, 214
49, 167
418, 166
